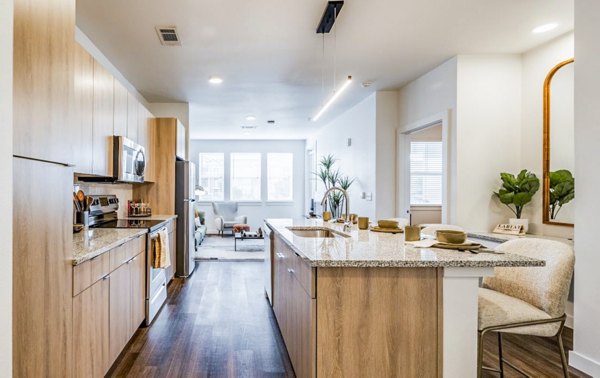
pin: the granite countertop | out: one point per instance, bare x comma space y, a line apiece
92, 243
158, 217
372, 249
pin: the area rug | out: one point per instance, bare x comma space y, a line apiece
218, 248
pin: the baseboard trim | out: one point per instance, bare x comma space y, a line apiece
569, 321
584, 364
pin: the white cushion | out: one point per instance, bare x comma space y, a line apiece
496, 309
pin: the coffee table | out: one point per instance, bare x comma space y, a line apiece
240, 236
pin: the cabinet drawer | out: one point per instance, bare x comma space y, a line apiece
89, 272
118, 256
296, 266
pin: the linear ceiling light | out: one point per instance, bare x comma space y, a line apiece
332, 99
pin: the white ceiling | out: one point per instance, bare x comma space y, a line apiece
271, 59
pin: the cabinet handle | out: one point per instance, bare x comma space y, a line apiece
106, 277
280, 255
291, 271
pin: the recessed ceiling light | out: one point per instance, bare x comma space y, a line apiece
544, 28
250, 118
215, 80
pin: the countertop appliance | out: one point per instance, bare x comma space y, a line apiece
268, 262
185, 183
103, 214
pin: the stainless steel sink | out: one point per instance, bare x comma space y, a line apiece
315, 232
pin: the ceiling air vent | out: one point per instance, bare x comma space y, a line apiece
168, 35
248, 127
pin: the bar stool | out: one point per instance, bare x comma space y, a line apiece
527, 301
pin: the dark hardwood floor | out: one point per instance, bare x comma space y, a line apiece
536, 356
219, 324
215, 324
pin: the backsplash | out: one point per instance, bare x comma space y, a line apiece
124, 192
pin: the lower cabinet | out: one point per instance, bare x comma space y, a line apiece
120, 310
295, 310
107, 310
138, 291
170, 271
90, 330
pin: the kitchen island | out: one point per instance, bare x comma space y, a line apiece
365, 304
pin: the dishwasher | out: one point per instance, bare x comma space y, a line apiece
268, 272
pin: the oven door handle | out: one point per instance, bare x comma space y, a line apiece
154, 235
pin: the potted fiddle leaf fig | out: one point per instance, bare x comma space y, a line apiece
562, 190
516, 192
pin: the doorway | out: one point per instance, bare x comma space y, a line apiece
423, 172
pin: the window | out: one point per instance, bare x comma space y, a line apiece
245, 177
212, 176
426, 173
280, 171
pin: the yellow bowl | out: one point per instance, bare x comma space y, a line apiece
451, 236
387, 223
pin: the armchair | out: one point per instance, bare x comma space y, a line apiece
226, 215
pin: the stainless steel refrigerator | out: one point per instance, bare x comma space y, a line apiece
185, 184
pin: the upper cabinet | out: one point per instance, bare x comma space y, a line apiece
132, 117
43, 79
84, 106
146, 139
102, 120
120, 109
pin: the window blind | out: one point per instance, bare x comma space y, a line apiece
425, 173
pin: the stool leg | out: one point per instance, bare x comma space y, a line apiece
563, 358
500, 360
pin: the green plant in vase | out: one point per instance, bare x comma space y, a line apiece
562, 190
332, 177
516, 192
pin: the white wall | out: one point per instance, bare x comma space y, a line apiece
488, 136
386, 118
259, 210
536, 65
357, 160
6, 122
179, 110
586, 353
431, 95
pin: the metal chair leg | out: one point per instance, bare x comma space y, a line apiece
500, 359
480, 354
563, 357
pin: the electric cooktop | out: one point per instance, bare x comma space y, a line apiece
131, 223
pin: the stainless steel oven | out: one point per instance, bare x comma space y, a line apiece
129, 160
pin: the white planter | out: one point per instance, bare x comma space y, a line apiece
522, 222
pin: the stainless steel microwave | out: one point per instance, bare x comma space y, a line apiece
129, 160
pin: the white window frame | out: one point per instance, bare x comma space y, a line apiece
231, 180
206, 199
291, 181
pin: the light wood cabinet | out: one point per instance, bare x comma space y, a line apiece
44, 31
161, 193
138, 291
295, 311
84, 106
146, 138
91, 327
132, 117
109, 304
120, 310
120, 95
102, 128
352, 322
42, 270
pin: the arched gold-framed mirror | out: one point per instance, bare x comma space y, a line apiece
558, 145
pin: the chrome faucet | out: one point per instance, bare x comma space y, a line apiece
347, 223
